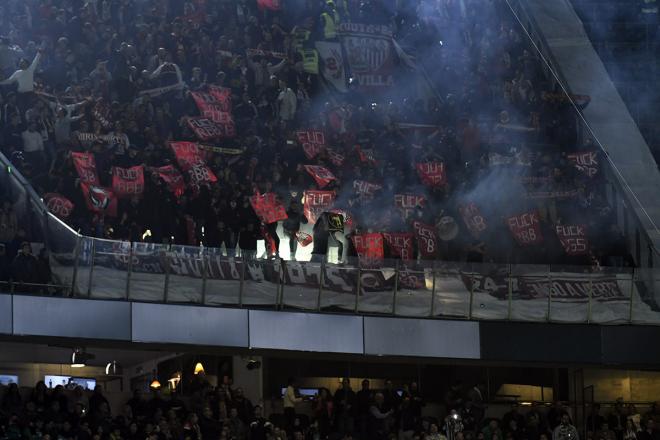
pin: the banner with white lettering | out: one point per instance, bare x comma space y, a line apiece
332, 64
59, 205
406, 203
526, 228
573, 239
473, 219
317, 202
432, 173
86, 167
365, 190
336, 158
427, 239
585, 161
369, 248
191, 160
128, 182
216, 106
369, 53
207, 130
312, 142
400, 244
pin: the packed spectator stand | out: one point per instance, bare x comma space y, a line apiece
205, 412
175, 122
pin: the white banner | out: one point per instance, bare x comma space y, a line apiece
332, 66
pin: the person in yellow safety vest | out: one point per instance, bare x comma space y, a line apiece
330, 21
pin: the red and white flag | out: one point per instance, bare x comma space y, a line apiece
526, 228
317, 202
369, 247
86, 167
406, 203
191, 160
100, 200
573, 239
400, 244
473, 219
207, 130
216, 106
432, 173
304, 238
173, 178
321, 175
427, 239
268, 208
59, 205
128, 182
312, 142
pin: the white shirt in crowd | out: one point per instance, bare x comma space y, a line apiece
32, 141
24, 78
287, 104
290, 398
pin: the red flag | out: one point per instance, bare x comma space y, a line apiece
336, 158
400, 243
128, 182
312, 141
304, 238
59, 205
406, 203
273, 5
100, 200
223, 96
586, 162
369, 247
216, 106
268, 208
316, 202
365, 190
472, 218
86, 167
191, 160
207, 130
173, 178
432, 173
573, 238
321, 175
426, 238
526, 228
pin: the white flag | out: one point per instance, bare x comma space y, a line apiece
332, 64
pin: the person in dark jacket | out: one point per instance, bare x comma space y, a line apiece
291, 225
24, 268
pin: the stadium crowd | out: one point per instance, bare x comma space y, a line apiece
115, 79
223, 412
